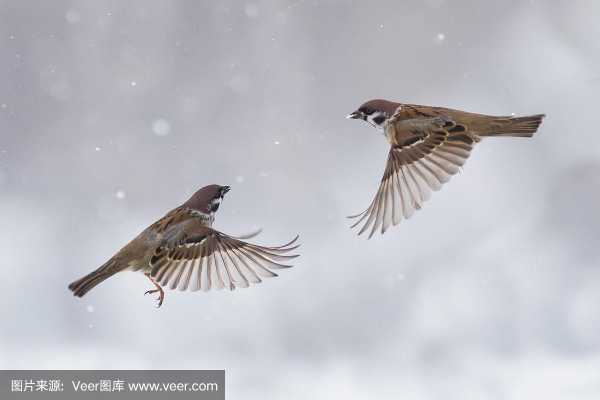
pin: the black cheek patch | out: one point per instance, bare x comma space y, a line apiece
215, 207
379, 120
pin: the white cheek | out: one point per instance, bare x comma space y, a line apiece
215, 202
371, 120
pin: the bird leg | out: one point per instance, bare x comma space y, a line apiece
161, 292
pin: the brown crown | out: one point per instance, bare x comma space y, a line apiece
388, 107
203, 197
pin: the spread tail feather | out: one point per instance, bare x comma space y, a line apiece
516, 126
81, 286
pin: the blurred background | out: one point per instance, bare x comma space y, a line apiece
112, 113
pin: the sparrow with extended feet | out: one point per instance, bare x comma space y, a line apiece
428, 145
182, 251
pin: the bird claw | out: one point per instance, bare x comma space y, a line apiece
161, 292
160, 298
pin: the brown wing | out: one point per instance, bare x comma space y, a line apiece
429, 152
211, 259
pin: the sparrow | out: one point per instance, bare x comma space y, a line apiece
428, 146
182, 251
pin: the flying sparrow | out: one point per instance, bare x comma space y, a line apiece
182, 250
428, 145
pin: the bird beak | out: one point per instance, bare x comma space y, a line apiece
354, 115
225, 189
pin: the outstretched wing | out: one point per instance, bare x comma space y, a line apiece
211, 259
428, 152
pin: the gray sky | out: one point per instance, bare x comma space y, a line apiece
112, 113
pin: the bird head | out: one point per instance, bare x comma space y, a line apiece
207, 199
375, 112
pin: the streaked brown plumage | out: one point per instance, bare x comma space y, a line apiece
428, 146
182, 250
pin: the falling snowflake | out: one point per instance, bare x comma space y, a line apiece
72, 16
251, 10
120, 194
394, 280
161, 127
